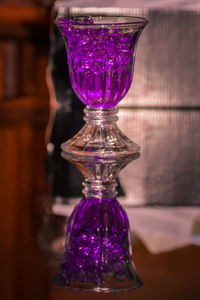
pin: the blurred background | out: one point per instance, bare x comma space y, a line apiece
161, 113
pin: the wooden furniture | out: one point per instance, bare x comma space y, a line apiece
24, 111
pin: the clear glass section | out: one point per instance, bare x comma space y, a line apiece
100, 150
100, 139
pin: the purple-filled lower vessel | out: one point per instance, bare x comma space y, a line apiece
97, 248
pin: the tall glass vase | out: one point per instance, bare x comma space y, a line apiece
101, 56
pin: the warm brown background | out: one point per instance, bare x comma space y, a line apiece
25, 269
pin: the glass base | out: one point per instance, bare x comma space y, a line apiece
111, 282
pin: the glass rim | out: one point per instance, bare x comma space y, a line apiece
129, 21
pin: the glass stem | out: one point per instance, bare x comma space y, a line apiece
102, 184
100, 150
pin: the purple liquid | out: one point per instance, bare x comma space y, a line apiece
101, 60
97, 243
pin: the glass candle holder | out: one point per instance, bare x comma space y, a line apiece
101, 56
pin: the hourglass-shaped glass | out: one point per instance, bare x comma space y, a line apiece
101, 55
